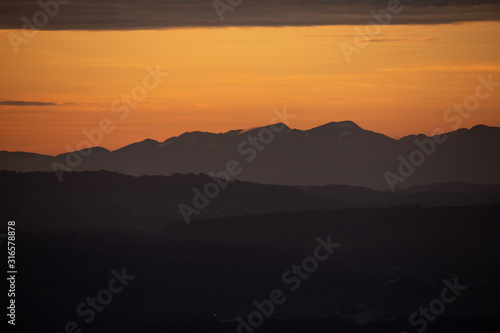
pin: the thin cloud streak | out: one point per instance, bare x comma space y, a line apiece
445, 69
419, 40
30, 103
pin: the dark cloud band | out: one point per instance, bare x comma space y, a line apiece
159, 14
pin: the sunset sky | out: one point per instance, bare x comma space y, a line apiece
224, 77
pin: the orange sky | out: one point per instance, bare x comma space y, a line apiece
231, 78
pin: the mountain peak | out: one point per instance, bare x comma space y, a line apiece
149, 141
347, 123
86, 151
481, 127
277, 125
192, 136
343, 125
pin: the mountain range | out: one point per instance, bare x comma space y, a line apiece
334, 153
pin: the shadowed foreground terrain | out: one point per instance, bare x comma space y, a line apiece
200, 277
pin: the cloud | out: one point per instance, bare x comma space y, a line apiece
160, 14
343, 36
30, 103
384, 40
418, 40
445, 69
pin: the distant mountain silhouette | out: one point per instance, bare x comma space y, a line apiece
334, 153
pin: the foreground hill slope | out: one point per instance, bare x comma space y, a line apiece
103, 199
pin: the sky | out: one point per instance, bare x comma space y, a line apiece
224, 75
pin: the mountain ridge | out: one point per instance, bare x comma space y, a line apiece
37, 199
241, 131
333, 153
